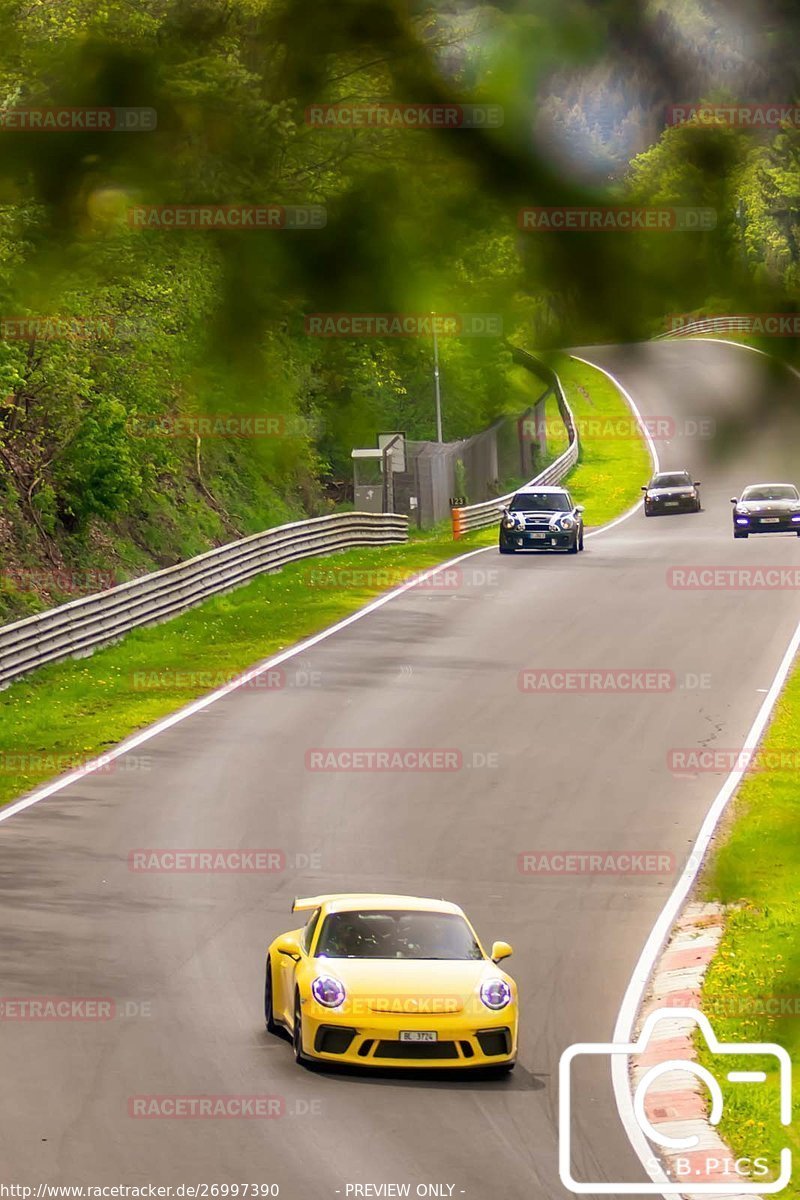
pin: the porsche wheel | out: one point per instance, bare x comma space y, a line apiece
297, 1035
269, 1014
738, 534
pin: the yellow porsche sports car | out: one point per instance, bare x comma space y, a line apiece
390, 981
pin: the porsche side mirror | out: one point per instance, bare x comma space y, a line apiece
734, 500
697, 483
500, 950
289, 946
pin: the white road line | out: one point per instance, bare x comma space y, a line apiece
743, 346
651, 446
634, 993
197, 706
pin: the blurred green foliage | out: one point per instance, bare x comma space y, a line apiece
212, 321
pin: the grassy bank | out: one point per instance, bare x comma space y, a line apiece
71, 711
752, 990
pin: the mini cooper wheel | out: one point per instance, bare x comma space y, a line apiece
573, 547
269, 1014
506, 549
580, 543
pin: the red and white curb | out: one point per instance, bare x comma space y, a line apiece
676, 1102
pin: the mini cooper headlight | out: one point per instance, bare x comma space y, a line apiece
567, 522
328, 991
495, 994
509, 522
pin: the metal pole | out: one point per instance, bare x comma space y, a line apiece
439, 437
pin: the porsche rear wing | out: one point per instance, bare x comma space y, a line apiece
305, 904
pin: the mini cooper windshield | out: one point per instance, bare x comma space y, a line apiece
397, 934
540, 502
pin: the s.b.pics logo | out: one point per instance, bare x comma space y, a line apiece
674, 1101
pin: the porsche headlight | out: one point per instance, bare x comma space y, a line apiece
742, 509
495, 994
328, 991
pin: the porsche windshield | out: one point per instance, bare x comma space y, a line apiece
540, 502
773, 491
397, 933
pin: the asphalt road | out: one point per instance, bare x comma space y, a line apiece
182, 954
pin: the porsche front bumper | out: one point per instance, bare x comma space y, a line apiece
466, 1040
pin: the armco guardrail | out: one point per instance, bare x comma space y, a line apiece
479, 516
79, 627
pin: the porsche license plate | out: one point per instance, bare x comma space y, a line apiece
670, 504
770, 520
418, 1035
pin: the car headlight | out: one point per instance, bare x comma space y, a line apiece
328, 991
509, 522
495, 994
567, 522
742, 510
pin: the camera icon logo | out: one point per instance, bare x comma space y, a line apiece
666, 1138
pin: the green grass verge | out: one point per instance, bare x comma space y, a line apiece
756, 870
72, 711
614, 461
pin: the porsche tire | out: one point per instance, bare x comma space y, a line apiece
297, 1036
269, 1013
